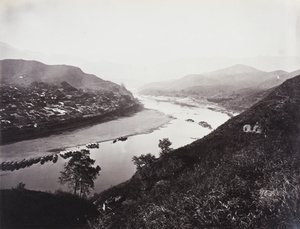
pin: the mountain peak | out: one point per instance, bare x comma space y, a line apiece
235, 69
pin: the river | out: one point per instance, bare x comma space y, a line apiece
162, 118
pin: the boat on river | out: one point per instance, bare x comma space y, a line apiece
93, 145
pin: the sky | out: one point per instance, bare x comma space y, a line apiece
152, 31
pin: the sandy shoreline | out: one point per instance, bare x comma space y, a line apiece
156, 121
141, 122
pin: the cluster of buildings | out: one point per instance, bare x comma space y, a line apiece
40, 104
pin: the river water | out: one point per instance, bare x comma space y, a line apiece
162, 119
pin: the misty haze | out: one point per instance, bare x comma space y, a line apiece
150, 114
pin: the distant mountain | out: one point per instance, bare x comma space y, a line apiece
23, 72
245, 174
135, 75
9, 52
236, 69
236, 87
278, 77
238, 76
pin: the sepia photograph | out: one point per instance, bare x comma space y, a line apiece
152, 114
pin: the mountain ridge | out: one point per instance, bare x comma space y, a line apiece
234, 74
130, 74
235, 69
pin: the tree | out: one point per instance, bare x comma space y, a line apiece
21, 186
164, 145
79, 173
143, 165
143, 161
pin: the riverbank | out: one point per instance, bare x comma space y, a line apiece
141, 122
51, 128
144, 122
193, 103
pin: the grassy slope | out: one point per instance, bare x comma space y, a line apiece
227, 179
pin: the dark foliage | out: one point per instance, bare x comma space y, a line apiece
34, 209
164, 145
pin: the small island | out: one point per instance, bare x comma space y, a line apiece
205, 125
190, 120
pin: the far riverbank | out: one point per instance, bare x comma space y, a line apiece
142, 122
51, 128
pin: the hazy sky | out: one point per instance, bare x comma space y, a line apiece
152, 31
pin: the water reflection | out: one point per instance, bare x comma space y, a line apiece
16, 165
78, 171
25, 163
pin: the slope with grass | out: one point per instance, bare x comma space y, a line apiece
234, 177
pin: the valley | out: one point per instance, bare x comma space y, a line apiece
231, 157
149, 114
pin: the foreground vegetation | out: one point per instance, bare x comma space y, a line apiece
22, 208
228, 179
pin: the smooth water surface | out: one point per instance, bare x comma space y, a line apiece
115, 159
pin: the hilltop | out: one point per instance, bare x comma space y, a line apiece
245, 174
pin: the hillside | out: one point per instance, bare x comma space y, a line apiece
38, 100
245, 174
236, 88
23, 73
